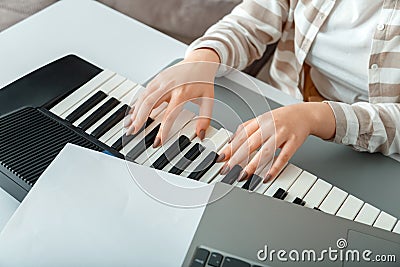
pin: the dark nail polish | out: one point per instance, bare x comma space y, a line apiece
221, 157
267, 178
202, 134
242, 176
157, 142
225, 169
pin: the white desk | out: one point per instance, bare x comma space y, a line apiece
98, 34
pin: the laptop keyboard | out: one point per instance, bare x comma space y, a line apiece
205, 257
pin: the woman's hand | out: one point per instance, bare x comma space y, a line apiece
286, 128
190, 80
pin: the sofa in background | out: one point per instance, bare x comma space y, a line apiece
184, 20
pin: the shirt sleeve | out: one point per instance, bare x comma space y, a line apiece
368, 127
242, 36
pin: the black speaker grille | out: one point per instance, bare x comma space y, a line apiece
30, 140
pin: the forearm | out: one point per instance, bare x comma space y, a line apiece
324, 118
316, 118
203, 54
368, 127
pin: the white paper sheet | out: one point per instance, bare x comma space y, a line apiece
8, 205
86, 210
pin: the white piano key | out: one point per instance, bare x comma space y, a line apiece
262, 187
212, 175
217, 177
130, 87
103, 119
117, 93
119, 131
367, 214
317, 193
107, 87
219, 139
333, 200
82, 92
116, 131
129, 146
350, 208
123, 89
119, 128
127, 99
181, 120
189, 131
215, 143
301, 186
240, 184
396, 229
284, 180
243, 164
209, 133
385, 221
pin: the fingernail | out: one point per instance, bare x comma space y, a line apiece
221, 157
202, 134
130, 130
269, 176
131, 110
225, 169
243, 175
127, 122
156, 142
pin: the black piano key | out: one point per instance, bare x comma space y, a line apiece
110, 122
99, 113
177, 147
144, 144
200, 258
204, 166
255, 181
246, 185
252, 182
232, 175
280, 194
125, 139
232, 262
299, 201
188, 158
86, 106
215, 259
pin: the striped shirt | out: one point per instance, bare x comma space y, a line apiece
242, 36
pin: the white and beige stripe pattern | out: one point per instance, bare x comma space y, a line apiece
242, 36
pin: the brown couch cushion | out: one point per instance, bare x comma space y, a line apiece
183, 19
12, 11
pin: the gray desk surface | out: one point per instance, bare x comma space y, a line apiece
111, 40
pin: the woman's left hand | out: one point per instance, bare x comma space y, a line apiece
286, 128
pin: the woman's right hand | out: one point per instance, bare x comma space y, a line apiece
190, 80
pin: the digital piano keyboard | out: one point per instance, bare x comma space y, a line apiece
41, 113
